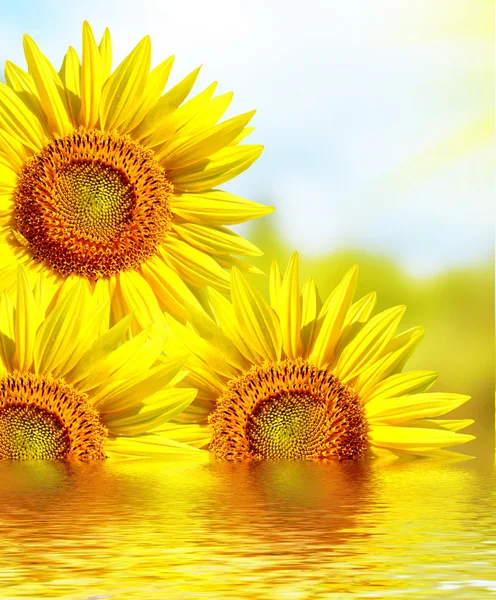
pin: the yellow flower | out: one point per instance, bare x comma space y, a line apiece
104, 178
301, 380
71, 388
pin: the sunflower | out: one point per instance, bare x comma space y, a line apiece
302, 380
71, 388
104, 178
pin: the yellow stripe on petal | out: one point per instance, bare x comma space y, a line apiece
216, 208
403, 383
18, 121
49, 86
219, 168
361, 310
70, 74
91, 79
122, 93
394, 411
105, 49
155, 84
290, 309
189, 150
337, 308
215, 240
415, 439
256, 318
368, 344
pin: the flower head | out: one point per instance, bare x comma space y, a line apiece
298, 379
104, 177
72, 388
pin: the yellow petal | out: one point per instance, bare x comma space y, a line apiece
58, 335
194, 266
226, 318
174, 402
414, 439
155, 84
26, 322
189, 150
310, 306
215, 240
256, 318
49, 86
70, 75
22, 83
217, 207
149, 445
172, 293
105, 49
91, 79
158, 122
403, 383
394, 411
138, 298
122, 93
208, 115
290, 309
7, 335
337, 309
275, 283
396, 354
219, 168
18, 121
368, 344
12, 151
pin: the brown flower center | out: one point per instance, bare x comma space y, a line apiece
43, 418
93, 204
288, 410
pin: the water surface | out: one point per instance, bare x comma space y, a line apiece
275, 531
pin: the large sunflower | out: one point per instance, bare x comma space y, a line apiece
301, 380
103, 177
71, 388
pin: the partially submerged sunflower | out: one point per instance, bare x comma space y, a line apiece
106, 178
302, 380
71, 388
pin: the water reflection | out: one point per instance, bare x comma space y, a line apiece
275, 531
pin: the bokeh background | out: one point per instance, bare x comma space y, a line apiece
377, 120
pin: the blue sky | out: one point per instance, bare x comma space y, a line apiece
354, 101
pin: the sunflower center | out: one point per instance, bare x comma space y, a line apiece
286, 426
93, 204
288, 410
43, 418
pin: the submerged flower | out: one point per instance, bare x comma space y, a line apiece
302, 380
105, 178
71, 388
